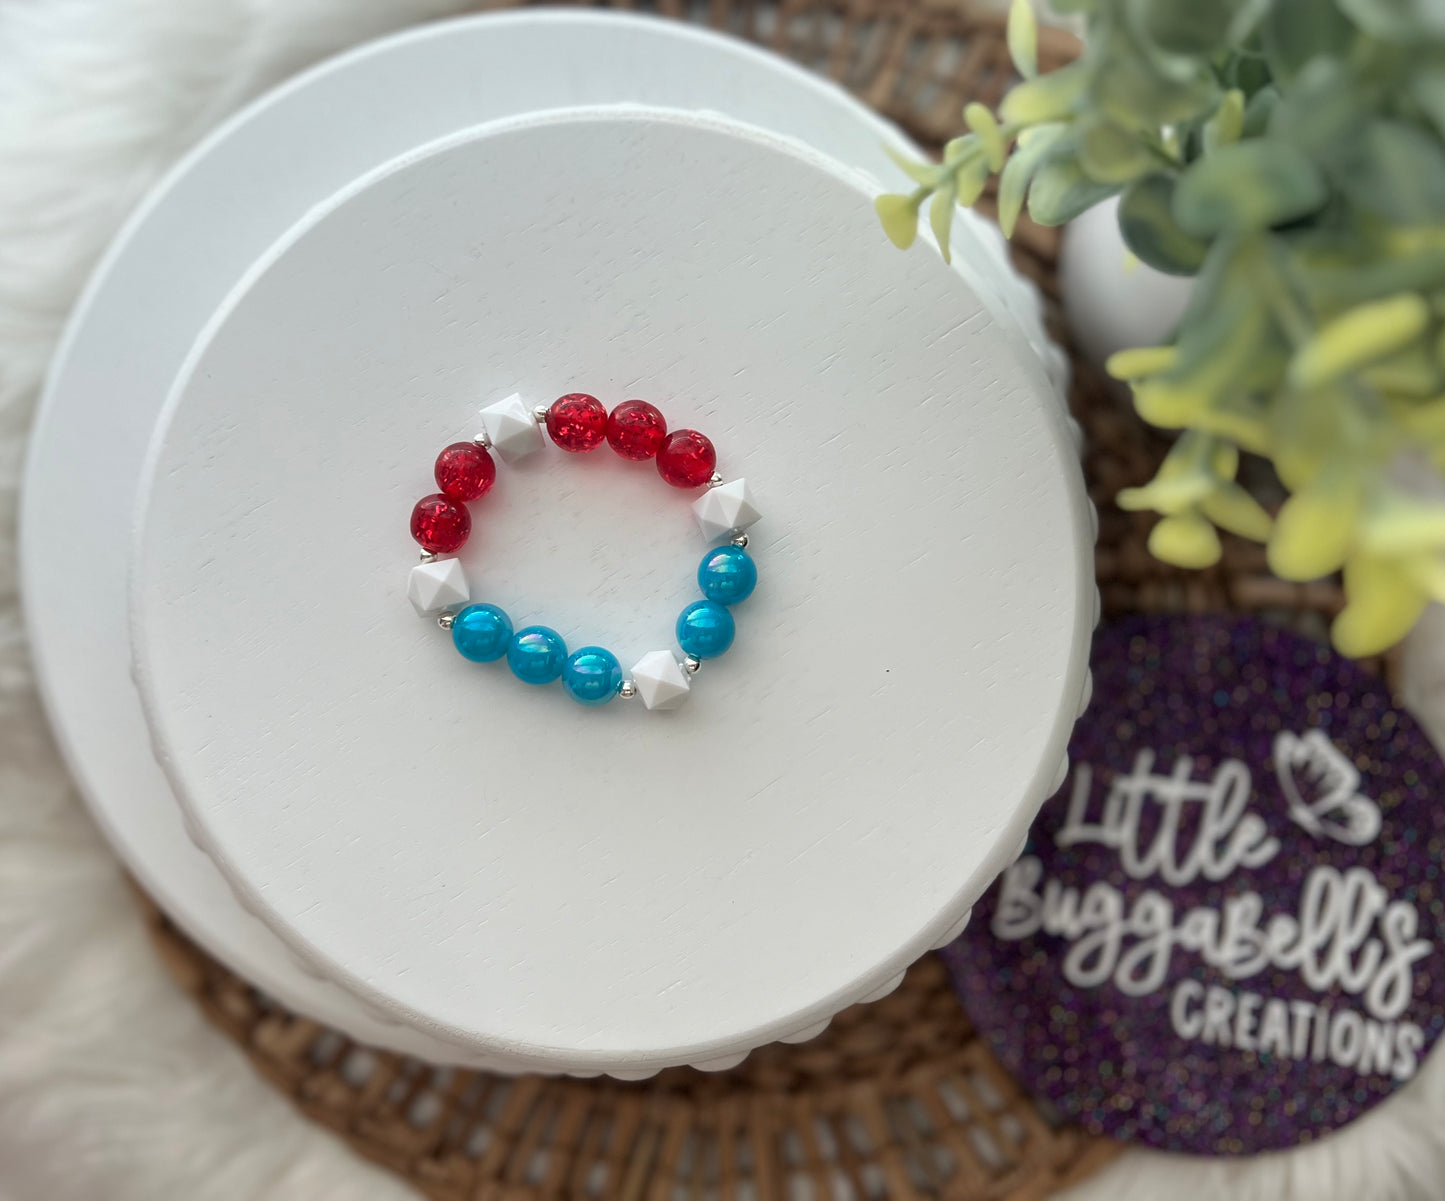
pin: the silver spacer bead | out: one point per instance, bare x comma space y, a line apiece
540, 413
739, 540
714, 480
446, 620
484, 440
627, 690
429, 556
690, 665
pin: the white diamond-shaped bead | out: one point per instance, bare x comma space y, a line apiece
437, 585
660, 680
726, 509
512, 429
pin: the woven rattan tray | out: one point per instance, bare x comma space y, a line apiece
899, 1099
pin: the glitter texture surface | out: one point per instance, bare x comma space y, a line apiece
1224, 934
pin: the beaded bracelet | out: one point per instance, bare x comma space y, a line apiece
537, 654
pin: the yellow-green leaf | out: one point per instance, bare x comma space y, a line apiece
1168, 406
1227, 123
1412, 372
1316, 527
1167, 493
1359, 337
1244, 429
1249, 185
1110, 153
1023, 38
1185, 540
1427, 569
940, 218
1139, 361
1224, 459
930, 175
899, 216
1425, 420
1232, 508
1304, 427
970, 179
1013, 184
1394, 523
1045, 98
1383, 601
982, 122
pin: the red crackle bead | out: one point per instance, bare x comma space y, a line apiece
440, 524
577, 422
686, 459
465, 471
636, 430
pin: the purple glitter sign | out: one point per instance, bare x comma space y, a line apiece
1225, 933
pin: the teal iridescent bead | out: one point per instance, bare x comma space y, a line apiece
705, 630
592, 675
481, 633
536, 655
727, 574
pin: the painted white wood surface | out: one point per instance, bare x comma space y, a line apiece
174, 262
612, 890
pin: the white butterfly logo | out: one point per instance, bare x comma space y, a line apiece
1322, 787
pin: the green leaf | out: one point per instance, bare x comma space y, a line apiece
1358, 337
990, 137
899, 217
1047, 98
1188, 28
1294, 34
940, 217
1136, 362
1146, 220
1315, 528
1383, 602
970, 179
955, 150
1141, 88
1032, 147
1229, 345
1323, 112
1249, 185
1413, 372
1186, 540
1221, 281
1224, 128
928, 174
1427, 89
1109, 153
1397, 20
1061, 191
1258, 111
1231, 508
1337, 282
1304, 430
1242, 26
1396, 170
1398, 523
1247, 71
1023, 38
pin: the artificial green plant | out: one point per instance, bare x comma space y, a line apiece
1290, 156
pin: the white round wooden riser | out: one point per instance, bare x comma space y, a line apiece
600, 889
205, 225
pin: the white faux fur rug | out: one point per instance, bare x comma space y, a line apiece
112, 1087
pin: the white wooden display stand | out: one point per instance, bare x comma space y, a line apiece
465, 868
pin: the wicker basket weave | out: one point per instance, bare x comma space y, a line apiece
899, 1099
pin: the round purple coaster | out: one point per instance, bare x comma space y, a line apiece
1224, 934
